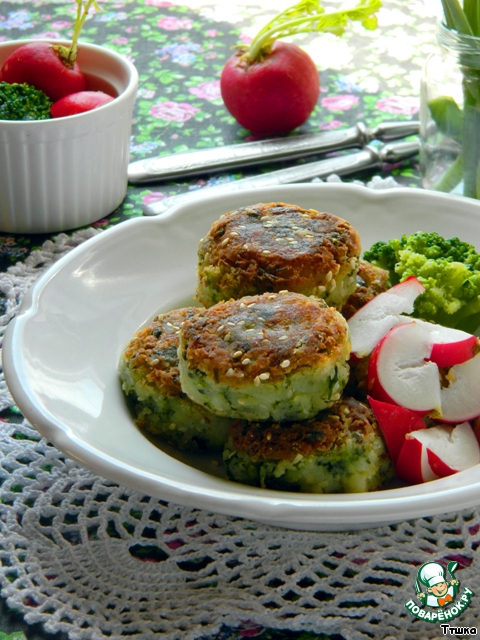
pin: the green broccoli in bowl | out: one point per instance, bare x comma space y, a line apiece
23, 102
448, 268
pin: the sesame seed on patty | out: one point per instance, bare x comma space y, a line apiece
297, 332
153, 350
275, 246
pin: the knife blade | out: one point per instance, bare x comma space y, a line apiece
262, 151
368, 158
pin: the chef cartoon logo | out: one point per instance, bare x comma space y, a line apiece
438, 592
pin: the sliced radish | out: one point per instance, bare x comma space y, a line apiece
399, 371
453, 349
450, 449
450, 346
372, 321
438, 466
412, 462
437, 452
395, 422
461, 399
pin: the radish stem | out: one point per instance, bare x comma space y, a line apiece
69, 54
79, 21
308, 16
455, 17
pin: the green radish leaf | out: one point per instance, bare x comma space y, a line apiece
83, 7
449, 180
447, 115
449, 22
308, 16
455, 17
471, 9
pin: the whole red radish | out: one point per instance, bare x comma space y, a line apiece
273, 95
52, 68
271, 87
40, 65
79, 103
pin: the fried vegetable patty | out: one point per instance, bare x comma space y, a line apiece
341, 450
149, 373
276, 246
280, 356
371, 281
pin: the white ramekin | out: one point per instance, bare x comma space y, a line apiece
68, 172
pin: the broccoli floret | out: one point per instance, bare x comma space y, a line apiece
448, 268
383, 255
23, 102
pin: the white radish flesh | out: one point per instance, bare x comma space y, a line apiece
460, 400
457, 447
450, 346
372, 321
402, 369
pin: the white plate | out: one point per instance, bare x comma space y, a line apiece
61, 352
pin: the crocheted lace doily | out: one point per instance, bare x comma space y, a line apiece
95, 560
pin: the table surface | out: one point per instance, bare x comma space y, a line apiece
179, 49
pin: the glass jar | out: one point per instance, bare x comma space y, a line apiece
450, 115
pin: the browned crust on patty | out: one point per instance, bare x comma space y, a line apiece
276, 246
153, 350
345, 421
357, 381
371, 281
271, 335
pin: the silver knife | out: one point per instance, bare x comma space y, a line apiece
369, 158
261, 151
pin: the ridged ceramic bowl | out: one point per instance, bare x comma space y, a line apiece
66, 173
61, 354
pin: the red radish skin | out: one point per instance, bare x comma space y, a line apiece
273, 95
448, 354
409, 462
38, 64
271, 86
450, 346
395, 422
79, 103
373, 384
438, 466
444, 450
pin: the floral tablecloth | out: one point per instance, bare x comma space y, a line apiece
179, 48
